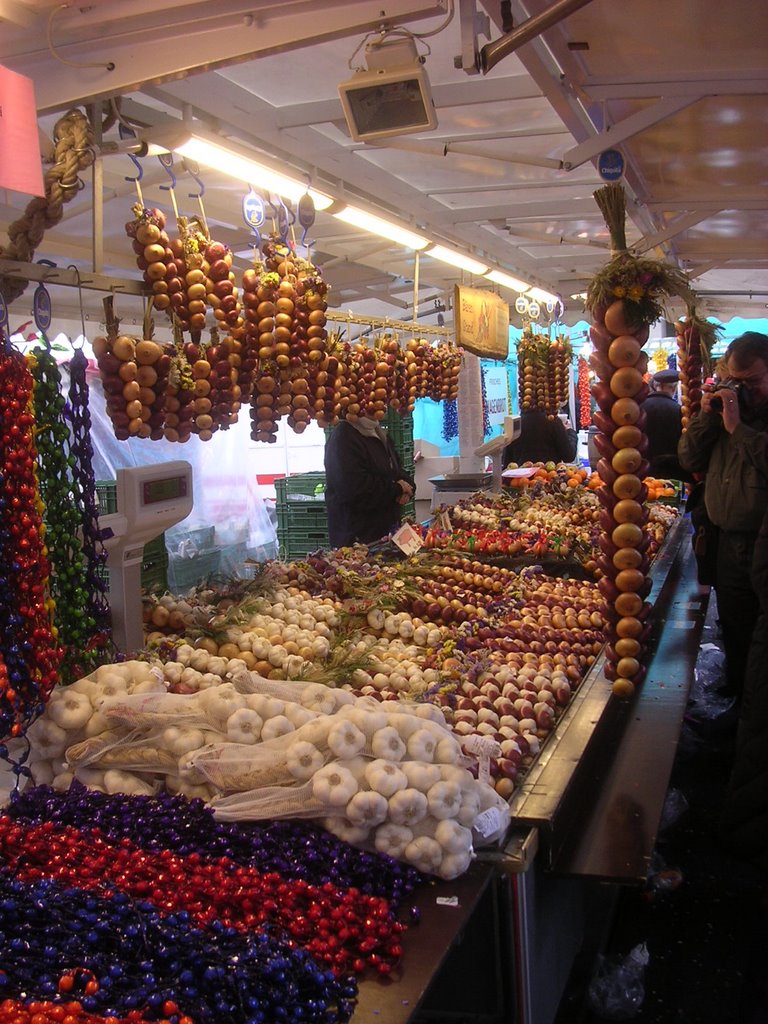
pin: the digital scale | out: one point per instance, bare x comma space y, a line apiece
454, 487
150, 499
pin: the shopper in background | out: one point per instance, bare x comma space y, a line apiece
365, 483
744, 820
664, 426
728, 441
542, 439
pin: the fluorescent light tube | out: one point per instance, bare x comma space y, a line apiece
229, 161
513, 283
541, 296
457, 259
378, 226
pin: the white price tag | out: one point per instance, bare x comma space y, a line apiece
490, 822
407, 539
445, 522
447, 901
481, 746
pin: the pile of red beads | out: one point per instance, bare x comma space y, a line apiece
346, 929
46, 1012
294, 849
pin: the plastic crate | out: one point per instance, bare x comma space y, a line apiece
185, 573
106, 496
300, 488
154, 565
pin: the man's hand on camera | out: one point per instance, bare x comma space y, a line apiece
731, 411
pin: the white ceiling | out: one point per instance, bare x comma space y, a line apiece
508, 174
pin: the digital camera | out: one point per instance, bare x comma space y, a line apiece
728, 385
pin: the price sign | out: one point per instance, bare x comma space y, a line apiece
407, 539
306, 211
253, 210
41, 308
610, 165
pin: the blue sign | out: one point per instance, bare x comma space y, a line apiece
41, 308
253, 210
4, 315
306, 211
610, 165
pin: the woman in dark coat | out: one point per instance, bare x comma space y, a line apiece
365, 483
744, 822
542, 439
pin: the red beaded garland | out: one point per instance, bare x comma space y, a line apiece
29, 651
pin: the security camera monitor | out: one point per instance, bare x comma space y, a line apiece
395, 102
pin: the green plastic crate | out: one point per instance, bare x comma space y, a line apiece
106, 496
185, 573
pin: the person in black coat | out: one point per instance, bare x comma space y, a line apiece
664, 426
365, 483
542, 439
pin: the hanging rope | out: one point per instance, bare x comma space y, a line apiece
73, 138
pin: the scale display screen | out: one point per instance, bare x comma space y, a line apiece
169, 489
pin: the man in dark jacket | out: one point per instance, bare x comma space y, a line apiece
365, 483
542, 439
664, 426
728, 441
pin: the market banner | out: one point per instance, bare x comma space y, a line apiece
20, 166
482, 322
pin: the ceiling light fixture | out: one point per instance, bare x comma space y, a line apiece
393, 96
379, 226
457, 259
541, 296
227, 158
506, 281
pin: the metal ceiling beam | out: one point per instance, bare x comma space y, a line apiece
452, 94
687, 85
711, 205
568, 209
625, 129
212, 36
445, 149
674, 227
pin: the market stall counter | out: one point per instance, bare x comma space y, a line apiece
585, 819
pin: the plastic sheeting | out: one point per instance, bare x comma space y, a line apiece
224, 469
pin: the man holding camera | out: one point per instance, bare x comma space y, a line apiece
728, 442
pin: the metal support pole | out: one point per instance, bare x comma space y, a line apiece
416, 285
492, 53
95, 112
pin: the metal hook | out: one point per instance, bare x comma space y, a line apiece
80, 298
193, 170
126, 133
166, 162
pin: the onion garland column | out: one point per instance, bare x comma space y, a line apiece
624, 299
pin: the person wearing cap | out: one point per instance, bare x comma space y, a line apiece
664, 426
